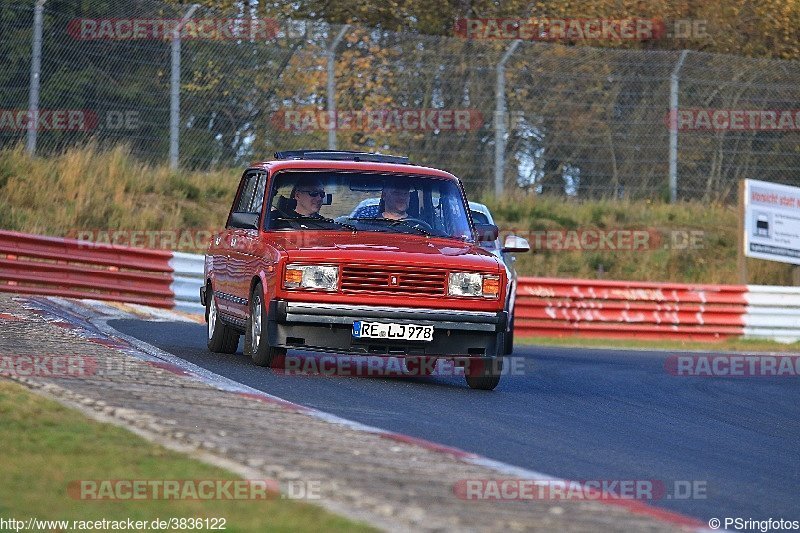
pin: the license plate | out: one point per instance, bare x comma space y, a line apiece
391, 331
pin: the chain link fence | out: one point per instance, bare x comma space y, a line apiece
541, 117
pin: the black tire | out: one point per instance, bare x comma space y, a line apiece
255, 344
484, 376
509, 340
222, 338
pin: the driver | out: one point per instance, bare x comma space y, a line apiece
309, 195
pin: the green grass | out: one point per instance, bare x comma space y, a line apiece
45, 446
712, 258
91, 189
727, 345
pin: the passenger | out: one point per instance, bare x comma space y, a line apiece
396, 200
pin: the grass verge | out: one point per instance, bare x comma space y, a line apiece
91, 189
47, 445
690, 242
727, 345
86, 189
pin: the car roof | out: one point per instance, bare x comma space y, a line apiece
480, 208
365, 166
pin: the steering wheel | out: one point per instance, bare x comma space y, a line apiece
418, 222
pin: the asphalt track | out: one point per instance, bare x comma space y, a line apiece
582, 414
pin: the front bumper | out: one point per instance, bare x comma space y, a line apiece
328, 327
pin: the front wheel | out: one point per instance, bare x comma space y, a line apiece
255, 343
221, 337
484, 374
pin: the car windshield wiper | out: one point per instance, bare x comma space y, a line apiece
345, 224
307, 218
405, 223
390, 222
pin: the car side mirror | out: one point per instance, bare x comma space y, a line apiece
486, 232
244, 220
516, 244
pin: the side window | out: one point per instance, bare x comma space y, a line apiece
251, 196
258, 193
245, 198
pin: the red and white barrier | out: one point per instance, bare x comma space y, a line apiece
627, 309
773, 312
556, 307
553, 307
36, 264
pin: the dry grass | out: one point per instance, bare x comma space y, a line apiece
89, 189
712, 260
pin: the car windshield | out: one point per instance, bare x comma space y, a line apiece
396, 203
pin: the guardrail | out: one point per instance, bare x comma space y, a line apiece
773, 312
557, 307
187, 278
553, 307
36, 264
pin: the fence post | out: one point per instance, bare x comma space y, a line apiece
36, 73
673, 128
175, 90
331, 52
500, 122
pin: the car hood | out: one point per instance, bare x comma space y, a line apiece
384, 248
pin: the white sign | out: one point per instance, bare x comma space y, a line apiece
772, 221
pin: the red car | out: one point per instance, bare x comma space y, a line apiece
301, 266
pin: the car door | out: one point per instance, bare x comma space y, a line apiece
243, 259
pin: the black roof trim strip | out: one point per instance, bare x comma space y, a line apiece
342, 155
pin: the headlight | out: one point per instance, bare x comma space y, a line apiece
311, 277
473, 284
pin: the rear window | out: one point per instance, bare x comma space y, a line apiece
479, 218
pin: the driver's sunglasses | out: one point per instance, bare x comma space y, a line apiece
315, 194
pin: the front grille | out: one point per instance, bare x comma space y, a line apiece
411, 281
